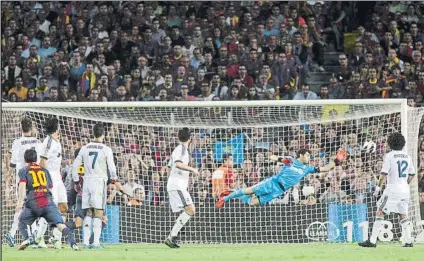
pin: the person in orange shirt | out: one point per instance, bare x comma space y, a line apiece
20, 91
222, 178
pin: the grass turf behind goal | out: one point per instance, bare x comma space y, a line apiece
223, 252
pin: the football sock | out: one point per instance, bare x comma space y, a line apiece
87, 228
236, 194
71, 225
23, 229
35, 227
406, 230
68, 235
97, 230
57, 234
15, 224
42, 227
376, 229
179, 223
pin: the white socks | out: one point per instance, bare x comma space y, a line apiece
57, 234
15, 224
179, 223
87, 228
406, 231
41, 229
376, 229
97, 230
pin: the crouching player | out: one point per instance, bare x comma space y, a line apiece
292, 172
34, 187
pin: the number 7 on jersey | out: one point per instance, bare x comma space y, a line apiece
95, 154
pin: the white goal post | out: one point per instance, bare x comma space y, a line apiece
337, 206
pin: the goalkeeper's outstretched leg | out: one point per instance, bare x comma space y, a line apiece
291, 173
259, 194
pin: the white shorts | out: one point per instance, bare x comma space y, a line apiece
179, 199
59, 192
94, 193
393, 203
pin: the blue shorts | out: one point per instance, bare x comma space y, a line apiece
79, 212
50, 213
268, 189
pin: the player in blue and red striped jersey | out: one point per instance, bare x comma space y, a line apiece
36, 198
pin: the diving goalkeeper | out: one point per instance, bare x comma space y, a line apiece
292, 172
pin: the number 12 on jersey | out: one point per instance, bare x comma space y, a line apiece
402, 167
95, 154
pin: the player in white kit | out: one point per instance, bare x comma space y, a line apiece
51, 159
17, 162
98, 161
179, 198
399, 171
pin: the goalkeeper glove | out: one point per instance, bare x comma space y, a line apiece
286, 161
340, 156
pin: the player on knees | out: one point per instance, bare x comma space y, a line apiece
292, 172
34, 190
179, 198
98, 161
400, 171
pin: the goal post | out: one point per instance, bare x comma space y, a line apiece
337, 206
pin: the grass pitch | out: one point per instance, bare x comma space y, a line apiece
158, 252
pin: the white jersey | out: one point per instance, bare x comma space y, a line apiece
98, 162
19, 147
52, 151
398, 166
178, 179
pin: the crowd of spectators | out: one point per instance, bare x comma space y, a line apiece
204, 51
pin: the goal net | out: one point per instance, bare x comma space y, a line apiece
337, 206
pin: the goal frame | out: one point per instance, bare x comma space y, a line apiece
399, 104
211, 104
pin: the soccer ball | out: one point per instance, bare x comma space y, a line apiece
369, 146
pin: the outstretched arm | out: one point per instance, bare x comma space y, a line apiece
328, 167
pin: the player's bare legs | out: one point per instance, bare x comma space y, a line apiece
406, 230
78, 222
184, 217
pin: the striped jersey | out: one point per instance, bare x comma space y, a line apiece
178, 179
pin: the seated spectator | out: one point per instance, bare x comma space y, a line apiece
19, 90
306, 94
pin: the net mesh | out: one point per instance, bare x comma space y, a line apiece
143, 138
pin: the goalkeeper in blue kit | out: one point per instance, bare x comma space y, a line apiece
292, 172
